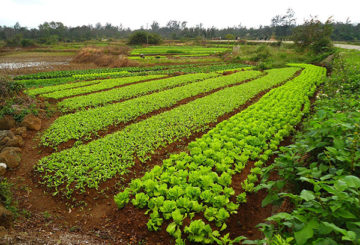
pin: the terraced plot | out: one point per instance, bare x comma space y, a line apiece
200, 181
89, 165
88, 122
107, 97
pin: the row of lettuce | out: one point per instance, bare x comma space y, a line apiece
200, 182
321, 169
89, 165
87, 123
61, 77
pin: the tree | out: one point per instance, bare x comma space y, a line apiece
314, 35
143, 37
229, 37
283, 24
155, 26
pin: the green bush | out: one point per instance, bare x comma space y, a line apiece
143, 37
9, 88
262, 53
27, 43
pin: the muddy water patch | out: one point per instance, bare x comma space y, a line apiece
18, 65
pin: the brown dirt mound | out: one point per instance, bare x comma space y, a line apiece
106, 57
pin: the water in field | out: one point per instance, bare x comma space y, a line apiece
18, 65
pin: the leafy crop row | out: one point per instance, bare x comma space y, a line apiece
50, 89
88, 165
83, 123
106, 97
200, 182
177, 50
321, 169
104, 84
63, 74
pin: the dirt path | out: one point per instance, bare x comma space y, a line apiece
347, 46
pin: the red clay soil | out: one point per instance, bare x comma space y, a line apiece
54, 220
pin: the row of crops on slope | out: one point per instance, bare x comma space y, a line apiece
322, 168
126, 72
127, 92
102, 85
58, 74
70, 89
89, 165
198, 50
200, 181
89, 122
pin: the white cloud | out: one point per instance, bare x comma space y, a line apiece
133, 14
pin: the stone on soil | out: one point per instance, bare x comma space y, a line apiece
7, 122
11, 156
32, 122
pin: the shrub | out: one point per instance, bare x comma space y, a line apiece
262, 53
143, 37
314, 36
9, 88
27, 43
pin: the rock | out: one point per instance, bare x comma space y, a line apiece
2, 168
3, 231
42, 114
3, 142
11, 156
227, 72
6, 133
5, 137
178, 73
7, 122
6, 217
20, 131
32, 122
16, 141
18, 108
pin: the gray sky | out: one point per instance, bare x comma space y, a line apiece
134, 13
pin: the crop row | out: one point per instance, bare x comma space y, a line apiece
30, 83
177, 50
104, 84
88, 165
127, 92
50, 89
85, 123
63, 74
200, 182
131, 71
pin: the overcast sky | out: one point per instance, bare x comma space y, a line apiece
134, 13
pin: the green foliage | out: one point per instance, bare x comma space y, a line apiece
262, 53
27, 43
143, 37
189, 50
93, 87
116, 151
323, 167
5, 193
229, 37
199, 186
126, 92
82, 123
314, 35
9, 88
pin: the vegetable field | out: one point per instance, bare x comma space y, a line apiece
183, 147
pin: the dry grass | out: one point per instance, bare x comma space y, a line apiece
105, 57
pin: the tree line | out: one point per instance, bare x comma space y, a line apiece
281, 28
